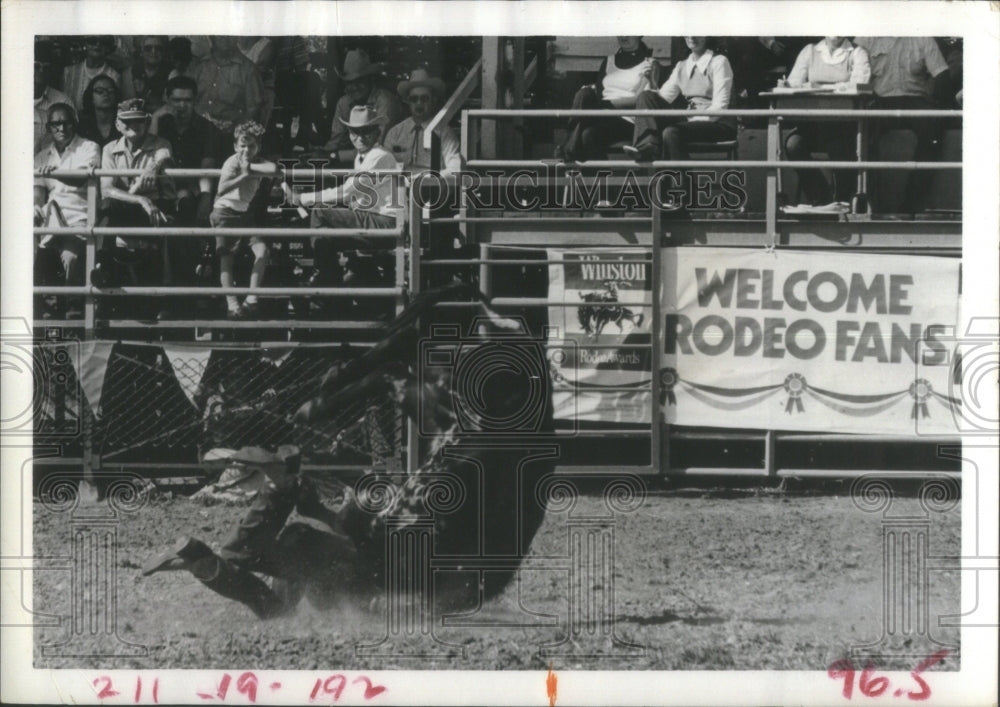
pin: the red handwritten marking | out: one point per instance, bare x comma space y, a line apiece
925, 690
328, 687
871, 686
223, 686
156, 690
247, 684
138, 688
550, 686
370, 690
106, 691
275, 685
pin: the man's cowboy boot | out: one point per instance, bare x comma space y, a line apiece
225, 579
219, 575
181, 556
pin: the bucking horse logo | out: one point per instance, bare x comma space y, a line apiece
594, 315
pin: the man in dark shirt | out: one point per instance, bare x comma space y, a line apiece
196, 144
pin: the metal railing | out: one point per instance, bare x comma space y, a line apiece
405, 238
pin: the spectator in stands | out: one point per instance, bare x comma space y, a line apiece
834, 60
62, 201
229, 86
909, 73
146, 200
405, 140
363, 201
314, 119
45, 96
77, 77
243, 174
179, 51
952, 51
704, 80
757, 63
624, 75
360, 89
147, 79
195, 144
260, 50
291, 69
99, 117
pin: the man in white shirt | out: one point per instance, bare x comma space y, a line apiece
62, 201
44, 95
423, 93
364, 200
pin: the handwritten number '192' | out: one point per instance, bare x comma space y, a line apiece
335, 684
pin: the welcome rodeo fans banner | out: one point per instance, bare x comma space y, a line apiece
604, 372
808, 341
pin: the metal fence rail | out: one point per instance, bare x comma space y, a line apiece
156, 412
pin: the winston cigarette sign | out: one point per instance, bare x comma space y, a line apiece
605, 296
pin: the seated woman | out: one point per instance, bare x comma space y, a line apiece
832, 61
625, 74
98, 116
705, 81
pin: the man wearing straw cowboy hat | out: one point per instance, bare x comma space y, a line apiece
360, 89
364, 200
405, 140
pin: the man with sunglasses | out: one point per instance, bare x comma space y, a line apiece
62, 201
147, 78
364, 200
423, 93
45, 96
360, 88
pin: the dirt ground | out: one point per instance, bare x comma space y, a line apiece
702, 580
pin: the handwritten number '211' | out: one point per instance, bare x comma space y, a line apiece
106, 690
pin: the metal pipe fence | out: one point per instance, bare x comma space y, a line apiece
155, 410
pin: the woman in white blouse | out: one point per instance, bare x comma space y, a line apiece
704, 80
624, 74
836, 62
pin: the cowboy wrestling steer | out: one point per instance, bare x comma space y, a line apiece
491, 471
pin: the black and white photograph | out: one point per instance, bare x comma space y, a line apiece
500, 353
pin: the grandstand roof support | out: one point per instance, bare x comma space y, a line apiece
502, 87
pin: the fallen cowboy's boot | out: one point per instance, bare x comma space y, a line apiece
227, 580
181, 556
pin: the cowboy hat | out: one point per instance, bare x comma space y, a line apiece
419, 78
357, 65
362, 117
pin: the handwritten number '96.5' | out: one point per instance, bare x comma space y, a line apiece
871, 686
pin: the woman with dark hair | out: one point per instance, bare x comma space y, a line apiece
704, 81
95, 63
624, 75
99, 111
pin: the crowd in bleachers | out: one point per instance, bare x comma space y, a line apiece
245, 104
